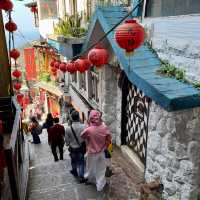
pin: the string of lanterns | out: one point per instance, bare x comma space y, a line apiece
14, 54
129, 36
34, 10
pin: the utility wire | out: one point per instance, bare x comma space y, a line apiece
20, 33
105, 35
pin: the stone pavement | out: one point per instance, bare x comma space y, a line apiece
51, 180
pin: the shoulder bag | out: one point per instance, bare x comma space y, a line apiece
82, 146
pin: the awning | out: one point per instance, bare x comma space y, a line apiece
50, 88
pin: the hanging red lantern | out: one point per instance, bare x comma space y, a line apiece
57, 64
52, 63
20, 98
63, 67
16, 73
6, 5
11, 26
53, 69
98, 56
82, 64
17, 85
34, 9
71, 68
14, 53
54, 73
130, 35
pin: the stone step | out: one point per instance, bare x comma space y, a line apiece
65, 191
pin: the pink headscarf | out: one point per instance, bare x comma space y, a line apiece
95, 118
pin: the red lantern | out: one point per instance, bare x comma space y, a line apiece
11, 26
34, 9
52, 63
17, 85
20, 98
54, 73
98, 56
6, 5
57, 64
14, 53
129, 35
16, 73
53, 69
71, 68
63, 67
82, 64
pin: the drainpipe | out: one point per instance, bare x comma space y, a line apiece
5, 70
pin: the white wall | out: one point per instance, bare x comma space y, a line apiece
46, 27
177, 39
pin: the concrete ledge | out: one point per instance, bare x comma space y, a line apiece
132, 157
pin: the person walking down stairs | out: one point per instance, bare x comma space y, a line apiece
56, 139
74, 141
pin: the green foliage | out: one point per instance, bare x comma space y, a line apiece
45, 77
169, 70
71, 27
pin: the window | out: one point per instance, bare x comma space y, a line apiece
158, 8
82, 81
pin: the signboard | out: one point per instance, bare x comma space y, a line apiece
29, 59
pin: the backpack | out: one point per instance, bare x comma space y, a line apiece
38, 129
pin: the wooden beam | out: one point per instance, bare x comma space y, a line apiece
5, 75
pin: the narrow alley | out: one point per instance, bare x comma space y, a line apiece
123, 76
51, 180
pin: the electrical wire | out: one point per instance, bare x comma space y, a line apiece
20, 34
105, 35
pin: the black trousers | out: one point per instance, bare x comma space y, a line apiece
60, 146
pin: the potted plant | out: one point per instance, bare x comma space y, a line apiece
69, 35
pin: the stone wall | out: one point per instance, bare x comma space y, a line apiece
108, 101
177, 39
173, 152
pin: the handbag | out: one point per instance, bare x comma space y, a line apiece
82, 146
108, 151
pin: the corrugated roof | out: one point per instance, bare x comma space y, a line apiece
170, 93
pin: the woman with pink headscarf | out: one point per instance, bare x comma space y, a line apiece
98, 137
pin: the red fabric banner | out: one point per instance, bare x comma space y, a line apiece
29, 58
42, 95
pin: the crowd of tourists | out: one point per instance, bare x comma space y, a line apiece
89, 145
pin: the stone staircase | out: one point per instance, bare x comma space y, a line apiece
49, 180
